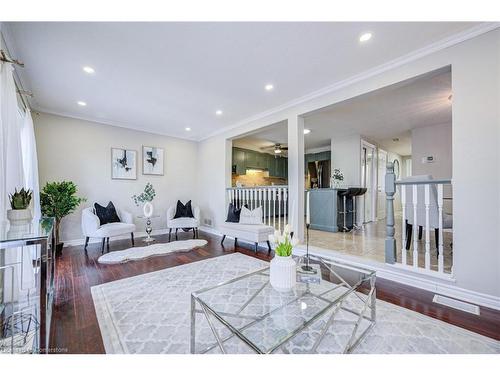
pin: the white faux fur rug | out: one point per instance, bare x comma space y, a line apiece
136, 253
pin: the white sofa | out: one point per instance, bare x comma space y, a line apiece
92, 228
250, 232
183, 222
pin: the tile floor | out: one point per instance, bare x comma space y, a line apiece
369, 242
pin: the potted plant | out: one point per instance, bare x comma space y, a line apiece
146, 197
20, 214
57, 200
283, 267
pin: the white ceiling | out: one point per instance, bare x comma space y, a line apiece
387, 113
163, 77
379, 116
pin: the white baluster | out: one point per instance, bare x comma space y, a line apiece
285, 206
440, 213
229, 192
259, 198
279, 209
269, 193
427, 228
415, 227
264, 205
403, 226
274, 208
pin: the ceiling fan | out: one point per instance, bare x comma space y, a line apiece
277, 147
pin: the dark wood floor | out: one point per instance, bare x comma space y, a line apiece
75, 328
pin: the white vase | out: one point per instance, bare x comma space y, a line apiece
147, 209
283, 273
19, 217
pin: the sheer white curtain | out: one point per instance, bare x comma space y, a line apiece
18, 168
10, 146
30, 161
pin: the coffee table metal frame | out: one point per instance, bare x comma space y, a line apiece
332, 307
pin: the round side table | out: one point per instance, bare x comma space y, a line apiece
149, 228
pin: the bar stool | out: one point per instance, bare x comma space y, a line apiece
343, 194
359, 192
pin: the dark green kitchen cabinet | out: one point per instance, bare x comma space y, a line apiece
239, 161
247, 159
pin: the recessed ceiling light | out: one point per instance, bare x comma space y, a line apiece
188, 129
307, 131
88, 69
269, 87
365, 37
81, 104
218, 112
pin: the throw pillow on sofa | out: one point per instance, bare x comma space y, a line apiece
251, 216
233, 214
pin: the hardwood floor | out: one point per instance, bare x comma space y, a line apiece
75, 328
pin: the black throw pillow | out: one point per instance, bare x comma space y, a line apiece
183, 210
233, 214
106, 214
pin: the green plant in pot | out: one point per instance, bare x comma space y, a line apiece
20, 214
57, 200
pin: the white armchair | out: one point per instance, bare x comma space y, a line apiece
92, 228
183, 222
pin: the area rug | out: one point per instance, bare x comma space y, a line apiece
150, 313
136, 253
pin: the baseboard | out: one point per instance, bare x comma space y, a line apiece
210, 230
81, 241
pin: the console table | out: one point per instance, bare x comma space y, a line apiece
27, 265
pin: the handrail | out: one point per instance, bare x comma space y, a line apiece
423, 182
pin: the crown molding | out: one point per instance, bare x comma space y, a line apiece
405, 59
109, 123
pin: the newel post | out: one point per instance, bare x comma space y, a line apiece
390, 190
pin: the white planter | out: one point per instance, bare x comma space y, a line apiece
147, 209
19, 217
283, 273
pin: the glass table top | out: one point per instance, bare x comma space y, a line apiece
265, 318
37, 229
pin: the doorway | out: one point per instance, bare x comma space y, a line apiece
369, 181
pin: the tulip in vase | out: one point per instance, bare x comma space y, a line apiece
283, 267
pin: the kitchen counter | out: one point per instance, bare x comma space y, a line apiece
324, 208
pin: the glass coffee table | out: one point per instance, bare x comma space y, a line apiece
248, 309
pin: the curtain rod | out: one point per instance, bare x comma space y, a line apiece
4, 58
24, 92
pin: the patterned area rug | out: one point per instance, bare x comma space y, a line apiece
136, 253
150, 313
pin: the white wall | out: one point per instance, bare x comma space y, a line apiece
476, 98
80, 151
432, 141
346, 156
